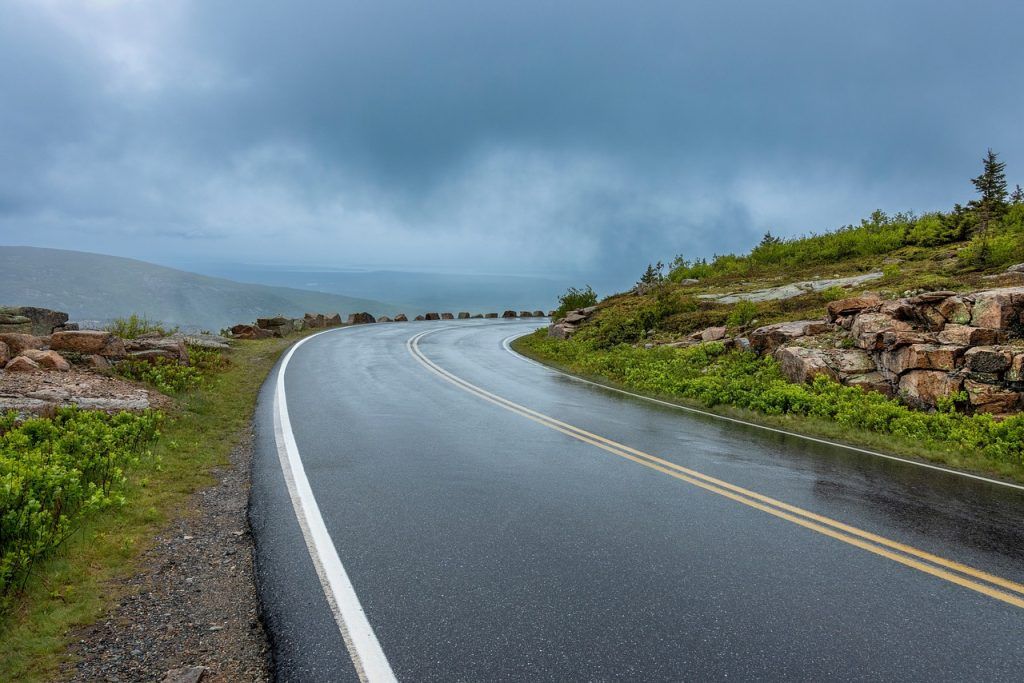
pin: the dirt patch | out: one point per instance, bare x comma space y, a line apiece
36, 392
193, 602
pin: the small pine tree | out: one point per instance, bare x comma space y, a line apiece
991, 185
653, 274
769, 240
983, 256
1017, 196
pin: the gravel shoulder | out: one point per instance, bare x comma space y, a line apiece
193, 601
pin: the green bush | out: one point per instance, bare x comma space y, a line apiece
986, 251
54, 472
574, 299
207, 361
742, 314
164, 375
709, 375
934, 229
834, 293
135, 326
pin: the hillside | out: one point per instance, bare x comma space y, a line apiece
904, 333
98, 287
966, 248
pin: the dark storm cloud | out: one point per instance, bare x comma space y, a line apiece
585, 136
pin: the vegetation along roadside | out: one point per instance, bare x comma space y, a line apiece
85, 493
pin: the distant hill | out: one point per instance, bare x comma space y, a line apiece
96, 287
418, 291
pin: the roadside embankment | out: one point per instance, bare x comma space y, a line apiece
160, 578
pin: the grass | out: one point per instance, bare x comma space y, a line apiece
135, 325
74, 587
740, 385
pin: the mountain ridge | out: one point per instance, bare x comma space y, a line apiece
101, 287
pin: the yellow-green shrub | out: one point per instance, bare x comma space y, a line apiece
56, 471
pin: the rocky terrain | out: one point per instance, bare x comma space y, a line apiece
47, 362
927, 348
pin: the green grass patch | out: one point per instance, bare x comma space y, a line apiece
135, 325
731, 382
73, 586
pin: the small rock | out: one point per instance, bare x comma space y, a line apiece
48, 360
363, 318
21, 364
188, 674
712, 334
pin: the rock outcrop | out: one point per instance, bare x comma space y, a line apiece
770, 337
508, 314
400, 318
17, 342
923, 348
150, 349
926, 349
361, 319
250, 332
278, 326
567, 326
41, 321
88, 342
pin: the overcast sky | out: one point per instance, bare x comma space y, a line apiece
505, 137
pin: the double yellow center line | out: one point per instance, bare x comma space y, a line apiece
993, 586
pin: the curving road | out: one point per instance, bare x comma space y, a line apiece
428, 505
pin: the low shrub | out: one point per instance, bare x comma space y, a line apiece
742, 314
164, 375
54, 472
207, 360
135, 326
834, 293
574, 299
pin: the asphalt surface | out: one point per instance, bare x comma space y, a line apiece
484, 544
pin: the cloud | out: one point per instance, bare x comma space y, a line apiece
570, 137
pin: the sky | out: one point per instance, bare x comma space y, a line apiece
583, 139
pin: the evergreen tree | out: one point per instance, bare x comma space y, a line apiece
769, 240
991, 185
653, 274
1017, 196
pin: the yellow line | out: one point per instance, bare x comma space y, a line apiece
791, 513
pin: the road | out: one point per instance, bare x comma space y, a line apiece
429, 506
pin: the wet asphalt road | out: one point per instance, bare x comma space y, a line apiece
484, 545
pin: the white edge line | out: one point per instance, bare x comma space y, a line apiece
506, 344
367, 655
